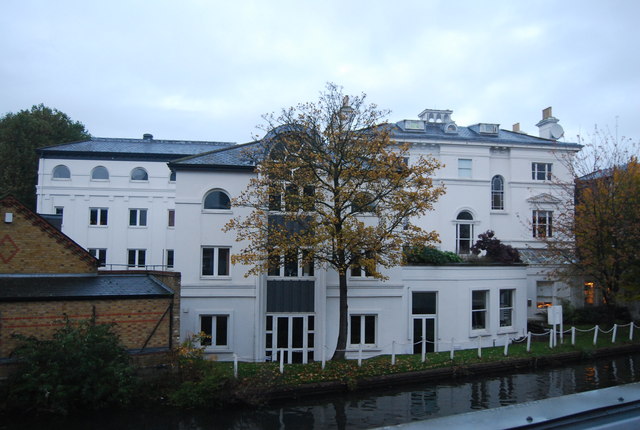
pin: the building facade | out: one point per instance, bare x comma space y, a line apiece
495, 179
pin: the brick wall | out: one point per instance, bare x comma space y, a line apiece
29, 244
136, 320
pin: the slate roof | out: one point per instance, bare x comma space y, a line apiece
435, 132
131, 149
235, 157
42, 288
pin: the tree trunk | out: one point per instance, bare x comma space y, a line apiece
341, 346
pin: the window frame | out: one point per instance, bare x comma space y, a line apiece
539, 169
497, 193
504, 308
99, 254
138, 169
215, 262
459, 222
137, 253
101, 217
277, 267
212, 343
60, 178
484, 311
140, 219
465, 172
356, 271
542, 229
221, 209
169, 255
93, 171
364, 318
171, 218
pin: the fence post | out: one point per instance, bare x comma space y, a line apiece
573, 335
393, 353
615, 332
631, 331
528, 341
479, 347
424, 349
551, 335
281, 361
235, 366
324, 360
506, 347
451, 354
360, 355
595, 335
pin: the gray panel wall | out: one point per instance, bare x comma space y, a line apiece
290, 296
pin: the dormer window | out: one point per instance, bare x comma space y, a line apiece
489, 129
413, 125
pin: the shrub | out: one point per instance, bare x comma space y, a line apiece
84, 366
430, 256
496, 251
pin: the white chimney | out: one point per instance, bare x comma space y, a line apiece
548, 127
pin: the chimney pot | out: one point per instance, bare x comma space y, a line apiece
546, 113
147, 136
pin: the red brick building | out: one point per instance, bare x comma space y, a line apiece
45, 276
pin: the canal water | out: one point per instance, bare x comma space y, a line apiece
380, 407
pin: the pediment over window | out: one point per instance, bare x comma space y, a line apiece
544, 198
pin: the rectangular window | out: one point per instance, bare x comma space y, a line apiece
295, 264
100, 254
169, 258
362, 330
360, 271
464, 167
542, 223
59, 210
138, 217
216, 330
137, 257
506, 308
172, 218
479, 300
215, 261
98, 216
541, 171
464, 238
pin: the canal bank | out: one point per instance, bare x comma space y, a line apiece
450, 373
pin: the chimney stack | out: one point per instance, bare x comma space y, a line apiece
516, 127
548, 127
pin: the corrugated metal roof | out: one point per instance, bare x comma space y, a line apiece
21, 288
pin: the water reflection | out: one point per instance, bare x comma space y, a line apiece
376, 408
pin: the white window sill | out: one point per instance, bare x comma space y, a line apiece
217, 211
215, 278
138, 226
98, 226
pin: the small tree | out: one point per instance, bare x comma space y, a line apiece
20, 135
333, 190
84, 366
596, 230
496, 251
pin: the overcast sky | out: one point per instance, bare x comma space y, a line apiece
208, 70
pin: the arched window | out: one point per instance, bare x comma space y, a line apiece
139, 174
497, 192
100, 173
464, 232
217, 199
363, 202
61, 172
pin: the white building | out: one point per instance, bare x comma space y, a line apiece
495, 179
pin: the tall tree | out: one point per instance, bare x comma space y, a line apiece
597, 230
20, 135
333, 190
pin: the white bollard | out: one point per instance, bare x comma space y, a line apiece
506, 348
615, 332
573, 335
324, 360
595, 335
479, 347
451, 354
528, 341
631, 331
551, 335
424, 349
360, 355
235, 366
281, 361
393, 353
